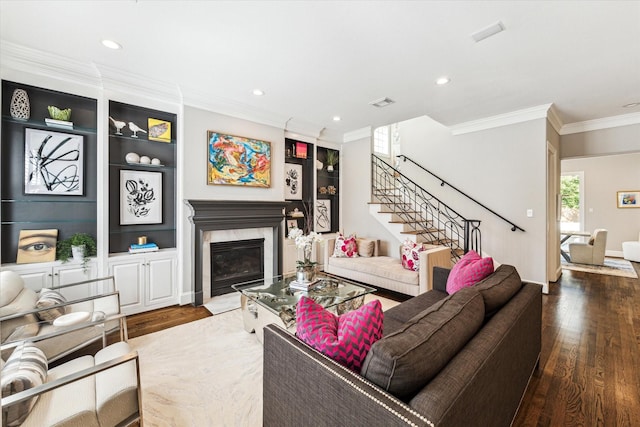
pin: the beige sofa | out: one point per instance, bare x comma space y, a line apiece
384, 271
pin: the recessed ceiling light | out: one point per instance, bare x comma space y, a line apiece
631, 105
487, 32
336, 118
258, 92
443, 80
382, 102
111, 44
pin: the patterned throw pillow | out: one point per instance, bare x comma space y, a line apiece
411, 255
468, 271
25, 368
345, 247
49, 298
346, 338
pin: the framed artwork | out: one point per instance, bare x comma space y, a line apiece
292, 181
140, 197
159, 130
301, 150
236, 160
628, 199
53, 163
291, 223
36, 246
323, 216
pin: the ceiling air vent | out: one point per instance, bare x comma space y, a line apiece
382, 102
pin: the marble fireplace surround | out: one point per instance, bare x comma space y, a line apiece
232, 215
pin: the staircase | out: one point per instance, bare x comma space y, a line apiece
409, 211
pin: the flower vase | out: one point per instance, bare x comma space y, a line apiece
305, 273
77, 252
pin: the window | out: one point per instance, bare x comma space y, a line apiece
571, 188
381, 141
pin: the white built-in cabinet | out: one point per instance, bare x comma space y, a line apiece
52, 274
145, 281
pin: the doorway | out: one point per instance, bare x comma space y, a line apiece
572, 208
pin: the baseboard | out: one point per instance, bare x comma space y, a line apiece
186, 298
614, 254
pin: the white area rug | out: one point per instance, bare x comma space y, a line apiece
204, 373
612, 266
223, 303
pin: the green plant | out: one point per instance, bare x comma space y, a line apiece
63, 248
58, 114
332, 157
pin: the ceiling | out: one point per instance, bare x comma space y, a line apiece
316, 60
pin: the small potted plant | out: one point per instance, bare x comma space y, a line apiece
332, 159
80, 246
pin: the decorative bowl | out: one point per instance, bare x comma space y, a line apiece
58, 114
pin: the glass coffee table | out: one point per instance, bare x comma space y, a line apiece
273, 301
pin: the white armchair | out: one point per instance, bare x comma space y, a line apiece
591, 252
25, 314
631, 250
90, 391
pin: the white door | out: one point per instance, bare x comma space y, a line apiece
161, 280
129, 276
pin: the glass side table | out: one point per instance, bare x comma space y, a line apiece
272, 300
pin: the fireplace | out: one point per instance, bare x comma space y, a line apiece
235, 262
243, 219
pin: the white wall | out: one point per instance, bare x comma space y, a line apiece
504, 168
603, 177
194, 166
619, 140
355, 180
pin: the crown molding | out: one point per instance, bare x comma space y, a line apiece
357, 134
554, 118
118, 80
519, 116
597, 124
39, 63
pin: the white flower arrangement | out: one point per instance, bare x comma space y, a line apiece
304, 242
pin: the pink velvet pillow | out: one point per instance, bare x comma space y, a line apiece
346, 338
468, 271
411, 255
346, 247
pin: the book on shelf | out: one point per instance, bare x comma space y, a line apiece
58, 123
147, 247
143, 246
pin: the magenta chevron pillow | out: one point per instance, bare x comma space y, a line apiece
468, 271
346, 338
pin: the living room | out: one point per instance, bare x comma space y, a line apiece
498, 153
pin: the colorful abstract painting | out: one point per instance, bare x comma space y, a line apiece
235, 160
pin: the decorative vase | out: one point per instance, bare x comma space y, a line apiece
305, 273
78, 253
19, 107
330, 168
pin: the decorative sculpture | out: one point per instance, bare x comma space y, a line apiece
118, 124
135, 129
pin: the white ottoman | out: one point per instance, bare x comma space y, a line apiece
631, 251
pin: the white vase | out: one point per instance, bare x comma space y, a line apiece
330, 168
78, 253
19, 107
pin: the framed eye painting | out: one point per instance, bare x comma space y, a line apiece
140, 197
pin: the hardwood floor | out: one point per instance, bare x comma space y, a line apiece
589, 372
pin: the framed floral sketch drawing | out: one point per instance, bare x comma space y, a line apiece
140, 197
53, 163
323, 216
236, 160
292, 181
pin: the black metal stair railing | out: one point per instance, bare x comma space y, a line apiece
514, 227
422, 213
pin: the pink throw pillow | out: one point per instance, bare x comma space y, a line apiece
468, 271
345, 247
346, 338
411, 255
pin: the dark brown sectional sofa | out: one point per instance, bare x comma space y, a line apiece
457, 360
